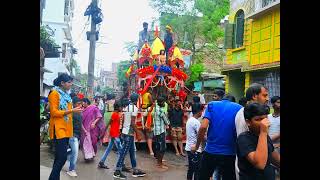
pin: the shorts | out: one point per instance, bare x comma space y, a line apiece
160, 143
176, 133
149, 134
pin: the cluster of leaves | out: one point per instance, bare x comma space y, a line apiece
121, 72
107, 90
131, 46
73, 67
195, 72
83, 79
45, 37
213, 11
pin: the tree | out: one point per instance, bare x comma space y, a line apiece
131, 46
83, 80
121, 72
197, 26
195, 72
47, 42
73, 67
107, 90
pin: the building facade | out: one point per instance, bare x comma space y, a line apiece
110, 78
57, 17
252, 41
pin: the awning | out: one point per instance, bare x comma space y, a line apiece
212, 83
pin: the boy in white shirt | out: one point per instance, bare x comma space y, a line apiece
192, 128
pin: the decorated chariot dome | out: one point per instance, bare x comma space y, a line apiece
154, 68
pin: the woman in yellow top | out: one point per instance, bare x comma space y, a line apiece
146, 99
60, 125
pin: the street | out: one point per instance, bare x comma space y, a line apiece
177, 166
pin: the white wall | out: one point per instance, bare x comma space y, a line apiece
54, 11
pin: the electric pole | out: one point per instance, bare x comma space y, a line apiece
92, 49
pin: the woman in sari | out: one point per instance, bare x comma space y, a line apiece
93, 128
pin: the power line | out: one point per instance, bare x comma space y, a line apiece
83, 3
79, 36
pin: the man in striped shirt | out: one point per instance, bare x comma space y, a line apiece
160, 124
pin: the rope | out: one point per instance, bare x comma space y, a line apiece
156, 83
170, 89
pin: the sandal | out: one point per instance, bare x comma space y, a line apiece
103, 166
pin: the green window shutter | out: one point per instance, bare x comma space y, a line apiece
239, 32
228, 36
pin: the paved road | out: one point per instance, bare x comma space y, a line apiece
89, 171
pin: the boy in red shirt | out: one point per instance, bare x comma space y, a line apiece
114, 134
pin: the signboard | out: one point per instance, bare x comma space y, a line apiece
186, 54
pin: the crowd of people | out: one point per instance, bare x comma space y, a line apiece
224, 139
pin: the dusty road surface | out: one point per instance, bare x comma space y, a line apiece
89, 171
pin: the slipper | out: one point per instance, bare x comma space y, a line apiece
162, 166
183, 155
178, 154
151, 154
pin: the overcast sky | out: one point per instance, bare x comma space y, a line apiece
121, 23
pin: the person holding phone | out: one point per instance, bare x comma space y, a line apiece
60, 125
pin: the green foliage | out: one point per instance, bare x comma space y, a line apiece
213, 11
107, 90
199, 33
83, 79
121, 72
169, 6
131, 47
195, 72
73, 67
45, 37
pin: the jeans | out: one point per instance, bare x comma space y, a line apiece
73, 157
194, 161
160, 143
115, 141
210, 162
217, 174
128, 145
61, 146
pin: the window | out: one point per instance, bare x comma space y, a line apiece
270, 80
239, 28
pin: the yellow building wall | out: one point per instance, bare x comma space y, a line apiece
227, 84
246, 81
261, 41
265, 39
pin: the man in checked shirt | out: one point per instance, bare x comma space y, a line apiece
161, 122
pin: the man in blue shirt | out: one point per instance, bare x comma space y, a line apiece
220, 150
